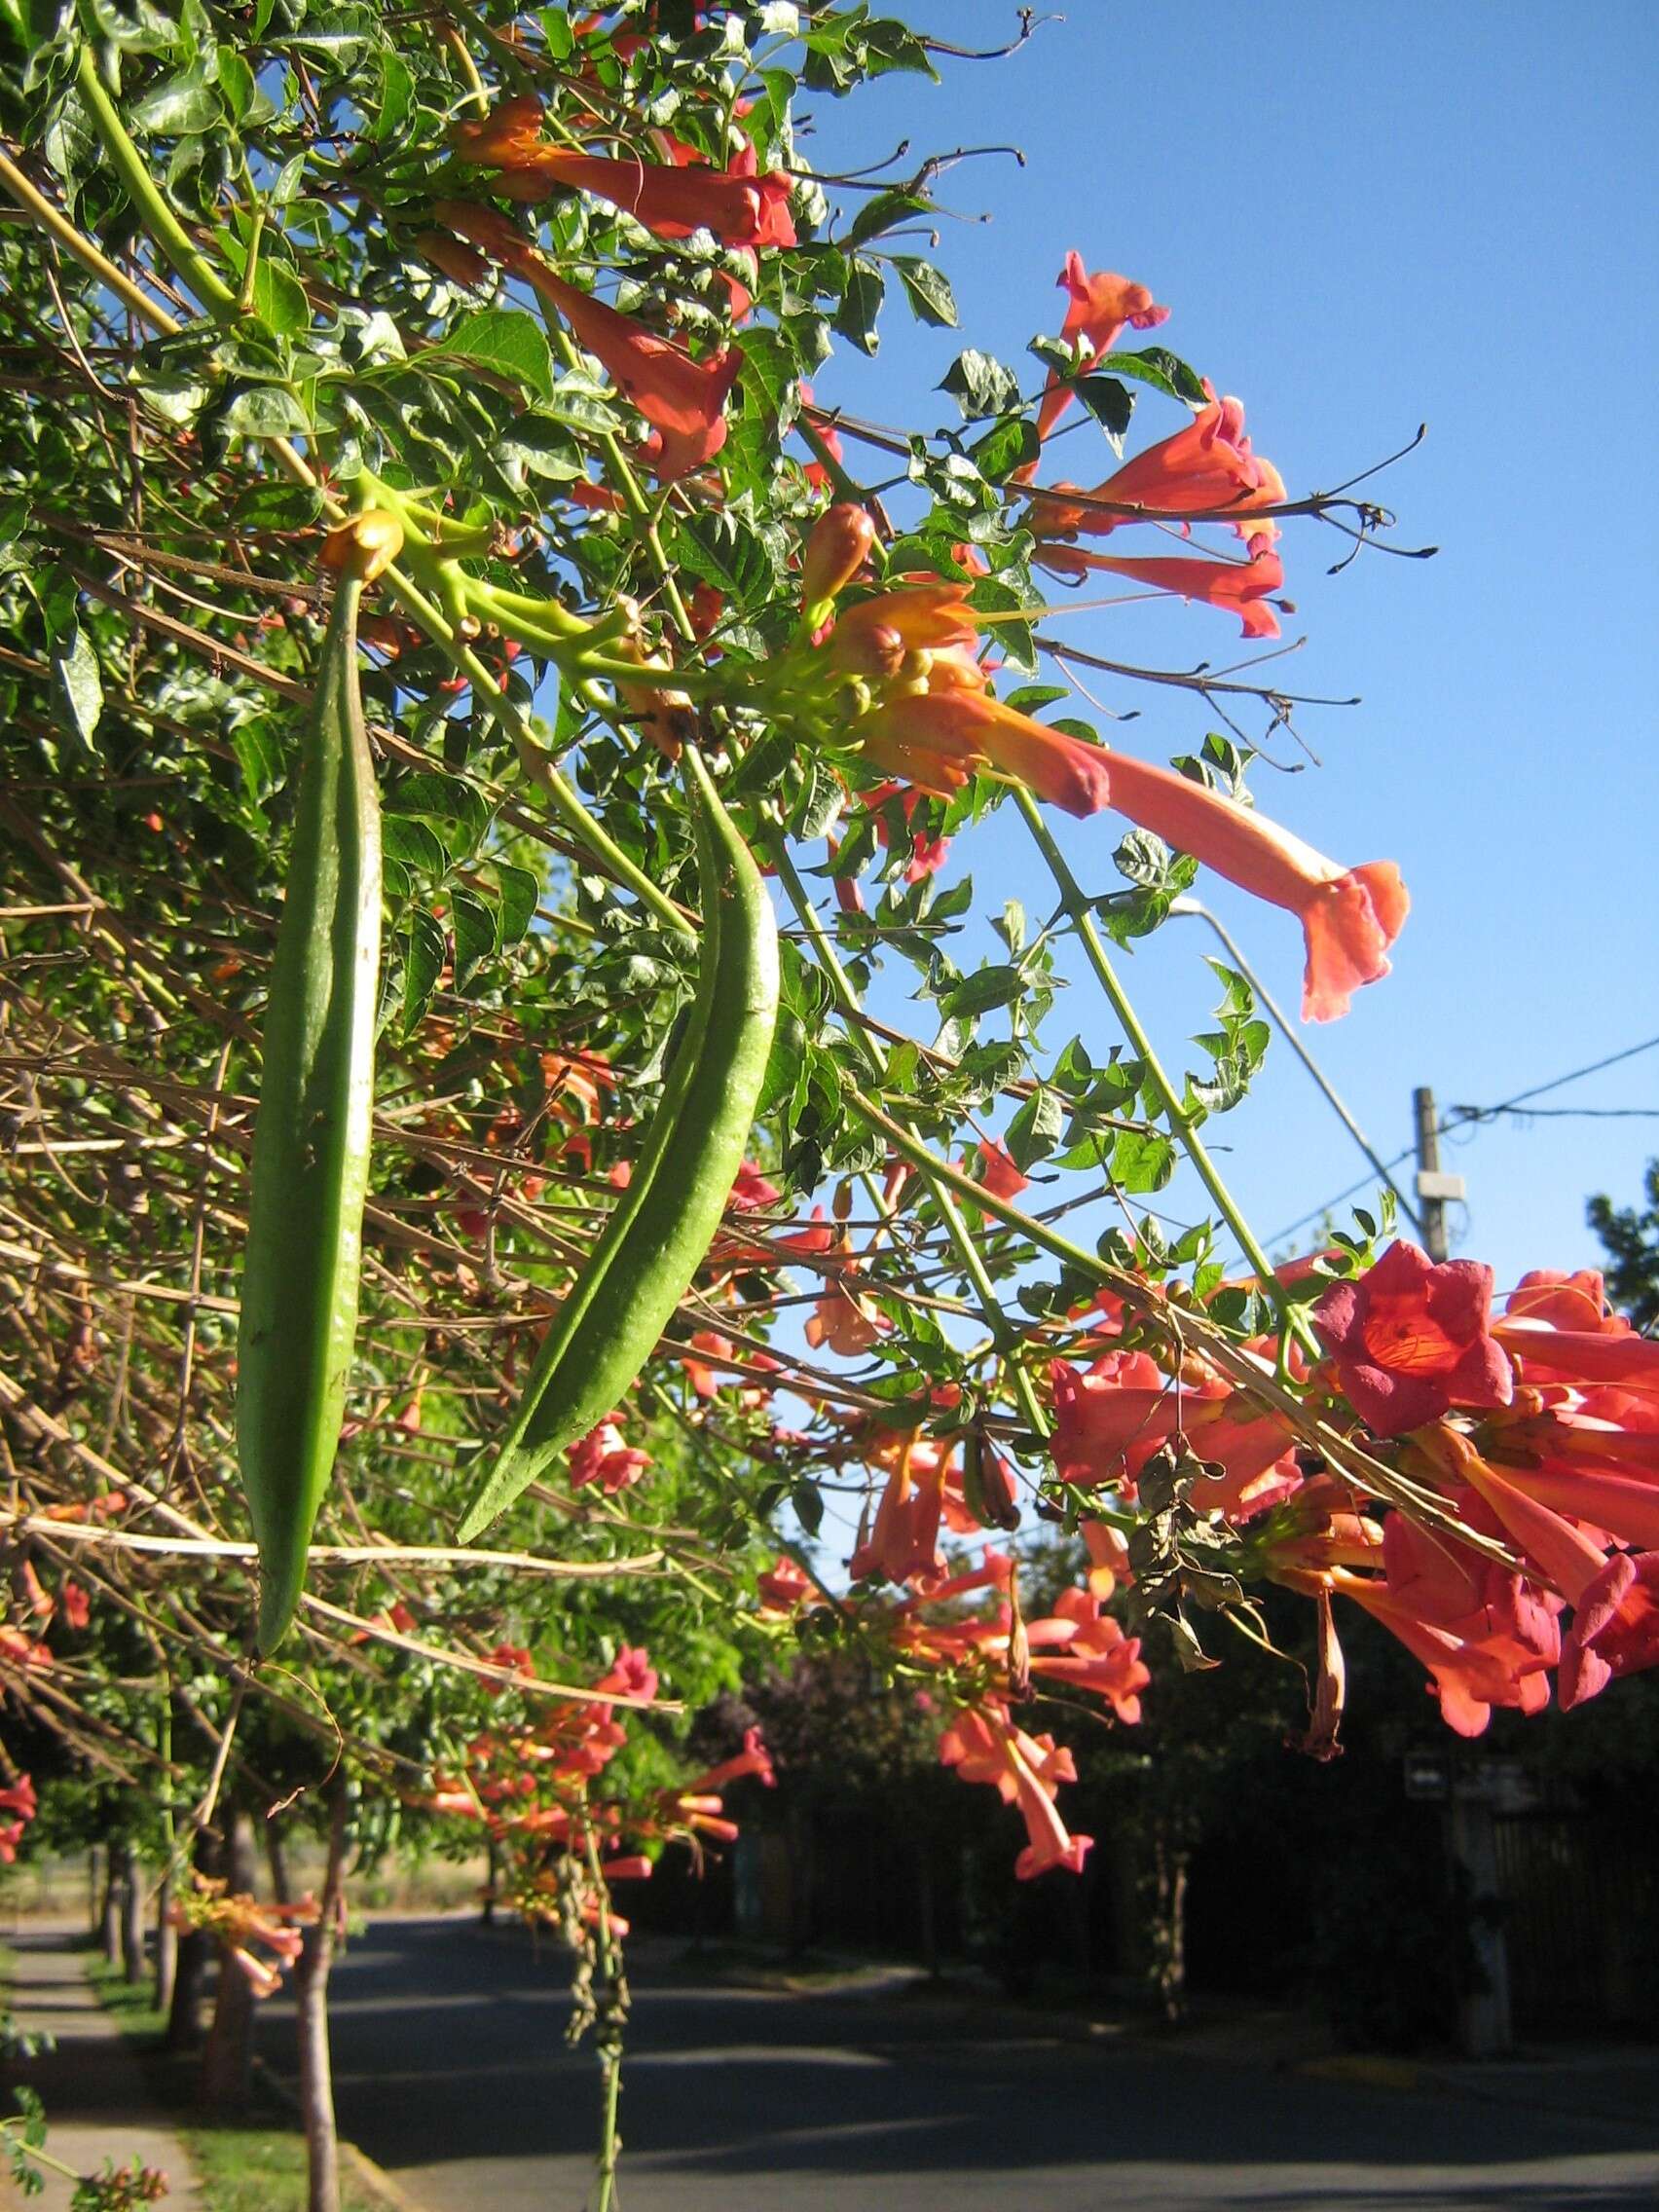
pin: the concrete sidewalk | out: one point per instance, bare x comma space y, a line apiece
97, 2104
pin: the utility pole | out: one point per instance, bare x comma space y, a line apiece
1433, 1189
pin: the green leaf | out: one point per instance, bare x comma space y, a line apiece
263, 411
881, 212
82, 685
979, 383
861, 305
979, 993
1142, 1160
728, 552
1009, 446
1156, 366
1036, 1128
520, 894
179, 107
509, 340
784, 1062
425, 950
475, 936
1111, 403
415, 843
928, 290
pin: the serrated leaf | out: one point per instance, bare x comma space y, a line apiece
881, 211
1037, 1127
1156, 366
987, 987
1142, 1160
520, 894
473, 920
181, 106
979, 383
861, 305
263, 411
1009, 446
415, 843
509, 342
928, 290
81, 685
426, 948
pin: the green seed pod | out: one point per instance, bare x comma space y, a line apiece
311, 1147
662, 1227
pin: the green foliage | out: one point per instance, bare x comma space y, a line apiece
1630, 1236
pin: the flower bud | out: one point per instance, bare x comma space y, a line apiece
836, 550
873, 648
363, 545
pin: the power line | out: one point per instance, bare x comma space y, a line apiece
1558, 1113
1460, 1115
1559, 1082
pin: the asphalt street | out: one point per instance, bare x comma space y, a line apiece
451, 2071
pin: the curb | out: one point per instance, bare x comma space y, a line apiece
359, 2162
1371, 2070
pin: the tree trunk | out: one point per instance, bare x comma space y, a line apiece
310, 2002
927, 1916
492, 1877
277, 1860
166, 1945
94, 1910
1171, 1911
114, 1856
190, 1976
132, 1920
227, 2061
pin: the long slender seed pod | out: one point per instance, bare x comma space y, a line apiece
661, 1231
311, 1147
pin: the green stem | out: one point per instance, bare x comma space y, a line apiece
1077, 906
149, 204
56, 225
870, 1051
534, 757
846, 486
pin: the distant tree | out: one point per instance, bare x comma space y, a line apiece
1631, 1243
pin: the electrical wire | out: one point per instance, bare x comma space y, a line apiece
1460, 1117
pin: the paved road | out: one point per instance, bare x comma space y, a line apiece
449, 2070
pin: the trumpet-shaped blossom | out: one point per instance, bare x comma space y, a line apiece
1099, 305
1350, 917
754, 1759
1624, 1507
1097, 1656
997, 1169
1110, 1421
939, 739
837, 548
872, 637
19, 1798
1602, 1355
1237, 587
903, 1544
673, 199
603, 1458
1205, 471
1576, 1301
983, 1746
1471, 1673
1411, 1338
682, 399
785, 1587
1615, 1627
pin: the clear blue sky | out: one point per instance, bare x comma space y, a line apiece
1365, 218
